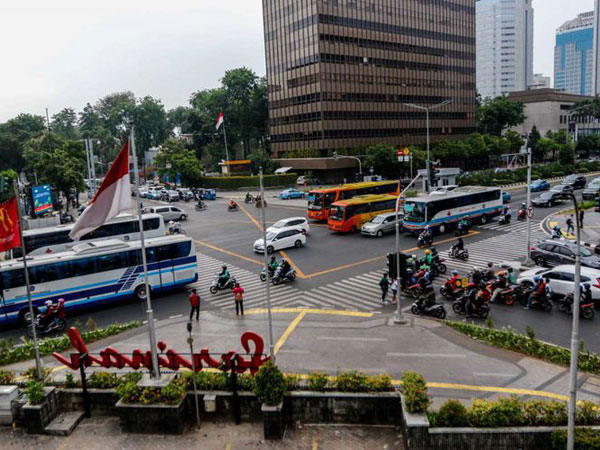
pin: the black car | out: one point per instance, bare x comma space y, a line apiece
575, 181
591, 190
549, 198
553, 253
563, 189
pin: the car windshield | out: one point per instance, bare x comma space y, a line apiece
571, 178
280, 224
270, 236
336, 213
546, 195
585, 252
414, 211
378, 219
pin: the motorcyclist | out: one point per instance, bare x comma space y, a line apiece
428, 258
435, 256
556, 232
232, 204
273, 264
200, 202
412, 262
477, 276
463, 225
507, 213
458, 246
490, 274
586, 294
248, 197
427, 299
454, 282
522, 210
47, 316
410, 279
500, 285
61, 309
224, 276
512, 277
284, 267
426, 233
538, 292
470, 297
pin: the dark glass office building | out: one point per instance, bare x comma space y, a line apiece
340, 71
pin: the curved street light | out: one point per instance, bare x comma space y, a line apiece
336, 157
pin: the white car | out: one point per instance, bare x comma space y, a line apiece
281, 239
168, 212
301, 222
440, 190
562, 279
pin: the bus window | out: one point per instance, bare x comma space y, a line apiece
84, 266
150, 255
337, 213
150, 224
182, 249
13, 278
414, 211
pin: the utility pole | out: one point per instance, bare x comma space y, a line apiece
266, 253
528, 205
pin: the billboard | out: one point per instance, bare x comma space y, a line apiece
42, 199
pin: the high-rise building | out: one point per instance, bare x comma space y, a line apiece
596, 49
573, 55
504, 46
340, 71
540, 81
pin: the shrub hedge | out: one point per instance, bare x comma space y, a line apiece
511, 340
236, 182
585, 439
414, 390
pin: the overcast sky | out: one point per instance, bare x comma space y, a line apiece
67, 54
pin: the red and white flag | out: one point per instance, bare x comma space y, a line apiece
9, 225
113, 197
220, 120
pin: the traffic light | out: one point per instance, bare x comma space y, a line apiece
392, 266
359, 178
434, 171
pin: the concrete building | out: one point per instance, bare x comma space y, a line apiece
549, 110
504, 46
340, 71
540, 81
573, 55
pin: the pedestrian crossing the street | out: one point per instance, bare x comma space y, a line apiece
513, 227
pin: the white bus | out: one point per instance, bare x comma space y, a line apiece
443, 211
95, 273
124, 227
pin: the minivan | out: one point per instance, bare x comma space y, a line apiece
168, 212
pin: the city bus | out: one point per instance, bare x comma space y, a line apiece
95, 273
320, 200
124, 227
444, 211
349, 215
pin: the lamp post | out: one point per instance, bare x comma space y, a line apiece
574, 335
336, 157
191, 342
427, 109
266, 253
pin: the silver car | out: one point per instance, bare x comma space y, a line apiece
168, 212
381, 224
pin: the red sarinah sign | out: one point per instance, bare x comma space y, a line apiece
109, 357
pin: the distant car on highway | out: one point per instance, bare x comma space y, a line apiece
548, 199
506, 197
564, 190
540, 185
562, 279
440, 190
381, 224
168, 212
290, 193
556, 252
280, 240
185, 194
575, 181
301, 222
591, 190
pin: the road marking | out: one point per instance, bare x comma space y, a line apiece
176, 316
315, 444
503, 390
472, 233
488, 374
293, 264
229, 252
355, 339
295, 352
332, 312
286, 334
347, 266
254, 221
228, 447
428, 355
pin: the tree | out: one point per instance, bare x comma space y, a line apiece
151, 124
566, 155
384, 160
13, 135
588, 145
174, 160
260, 158
532, 143
514, 141
499, 113
178, 118
64, 123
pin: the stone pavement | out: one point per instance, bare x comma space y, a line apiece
104, 433
590, 233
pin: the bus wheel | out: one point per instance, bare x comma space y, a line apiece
484, 219
25, 317
140, 292
442, 229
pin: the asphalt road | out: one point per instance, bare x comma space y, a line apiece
327, 258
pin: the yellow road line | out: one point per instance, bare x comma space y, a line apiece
229, 252
286, 334
228, 447
502, 390
293, 264
472, 233
333, 312
347, 266
254, 221
315, 444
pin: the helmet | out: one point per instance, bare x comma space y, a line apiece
409, 272
427, 227
413, 256
510, 269
273, 258
455, 272
427, 252
586, 285
490, 265
48, 303
501, 273
61, 300
537, 278
283, 260
224, 267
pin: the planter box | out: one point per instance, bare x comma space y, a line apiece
102, 400
378, 408
273, 421
37, 417
157, 419
249, 406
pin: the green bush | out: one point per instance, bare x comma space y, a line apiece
381, 383
236, 182
452, 414
174, 392
171, 394
544, 413
102, 380
128, 392
585, 439
351, 382
586, 413
292, 382
414, 390
209, 381
269, 384
245, 382
504, 412
35, 392
6, 377
70, 382
32, 374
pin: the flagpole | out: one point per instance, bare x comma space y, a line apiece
226, 151
149, 311
36, 349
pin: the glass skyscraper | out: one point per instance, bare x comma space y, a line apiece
573, 55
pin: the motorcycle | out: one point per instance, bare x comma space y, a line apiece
543, 303
449, 292
258, 202
462, 229
233, 207
460, 307
522, 214
56, 326
459, 254
201, 207
586, 310
280, 277
263, 274
424, 240
438, 267
505, 297
66, 218
249, 198
504, 219
416, 290
436, 309
175, 228
216, 286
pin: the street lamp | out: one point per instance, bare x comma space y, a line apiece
190, 341
427, 109
336, 157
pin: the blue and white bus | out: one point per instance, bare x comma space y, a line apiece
94, 273
443, 211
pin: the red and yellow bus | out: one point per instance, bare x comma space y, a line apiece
350, 215
320, 200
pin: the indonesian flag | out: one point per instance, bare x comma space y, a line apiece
9, 225
220, 120
113, 197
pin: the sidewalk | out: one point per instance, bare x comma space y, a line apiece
590, 233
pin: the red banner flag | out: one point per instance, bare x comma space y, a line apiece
9, 225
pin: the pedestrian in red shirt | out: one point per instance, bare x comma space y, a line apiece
195, 304
238, 296
61, 309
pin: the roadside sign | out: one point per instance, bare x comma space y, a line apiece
464, 282
406, 151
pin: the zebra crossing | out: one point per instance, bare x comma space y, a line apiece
513, 227
360, 292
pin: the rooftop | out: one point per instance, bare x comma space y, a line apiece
583, 20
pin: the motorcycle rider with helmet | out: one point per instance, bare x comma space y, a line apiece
500, 286
426, 233
458, 246
232, 204
48, 316
538, 292
223, 277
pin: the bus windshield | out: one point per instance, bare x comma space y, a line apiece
318, 200
414, 211
337, 213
